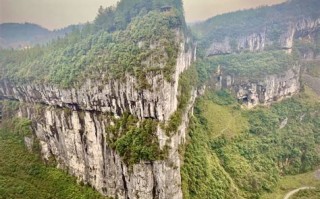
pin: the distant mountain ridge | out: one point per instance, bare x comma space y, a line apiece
264, 28
24, 35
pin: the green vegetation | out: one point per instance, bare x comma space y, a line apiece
9, 107
23, 174
313, 68
246, 22
254, 64
244, 153
307, 194
187, 81
144, 44
307, 46
244, 65
291, 182
235, 153
203, 175
117, 18
231, 153
135, 141
228, 120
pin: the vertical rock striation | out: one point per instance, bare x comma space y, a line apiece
265, 90
71, 125
263, 39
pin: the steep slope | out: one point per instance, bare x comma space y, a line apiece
247, 158
265, 28
278, 36
236, 152
111, 104
24, 174
104, 100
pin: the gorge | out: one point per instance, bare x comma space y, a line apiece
138, 105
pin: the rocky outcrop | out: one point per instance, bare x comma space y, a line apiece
265, 90
306, 26
261, 40
77, 140
115, 96
71, 127
253, 42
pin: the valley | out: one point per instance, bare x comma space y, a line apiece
138, 104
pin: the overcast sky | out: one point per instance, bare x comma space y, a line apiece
55, 14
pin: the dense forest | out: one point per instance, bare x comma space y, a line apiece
230, 151
113, 43
238, 153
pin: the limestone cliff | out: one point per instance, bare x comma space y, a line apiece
114, 96
228, 40
252, 91
71, 126
264, 39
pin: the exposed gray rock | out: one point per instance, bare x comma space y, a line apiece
77, 140
252, 92
283, 123
307, 25
220, 48
71, 127
253, 42
302, 117
114, 96
28, 142
286, 39
258, 41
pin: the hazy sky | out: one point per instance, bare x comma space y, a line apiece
54, 14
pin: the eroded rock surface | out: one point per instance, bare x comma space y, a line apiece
265, 90
260, 40
71, 125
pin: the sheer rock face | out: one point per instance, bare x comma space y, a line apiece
265, 90
253, 42
258, 41
114, 96
71, 127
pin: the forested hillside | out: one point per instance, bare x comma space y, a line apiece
271, 21
236, 152
100, 98
127, 106
120, 41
